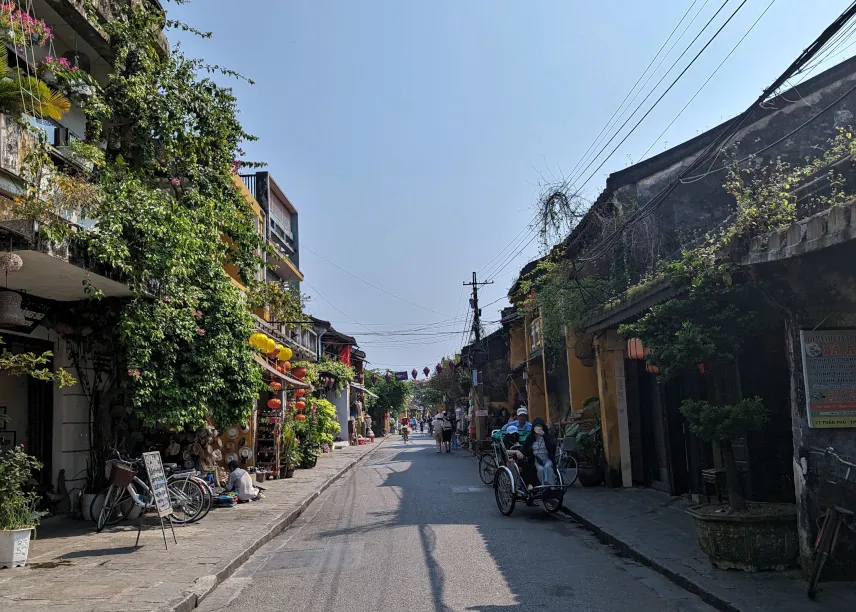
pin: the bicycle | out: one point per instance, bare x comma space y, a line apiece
838, 494
490, 461
404, 434
191, 499
566, 463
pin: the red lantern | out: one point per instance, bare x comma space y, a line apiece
635, 350
426, 371
274, 403
374, 378
300, 406
299, 373
414, 373
299, 417
275, 386
300, 393
286, 366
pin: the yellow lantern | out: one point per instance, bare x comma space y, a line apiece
285, 353
255, 339
270, 345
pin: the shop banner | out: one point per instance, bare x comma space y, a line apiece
157, 481
829, 367
401, 376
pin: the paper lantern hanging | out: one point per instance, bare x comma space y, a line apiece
272, 354
300, 393
299, 417
362, 378
453, 365
285, 353
388, 376
374, 378
300, 405
414, 373
255, 339
439, 367
299, 373
270, 345
286, 366
635, 350
426, 371
274, 403
275, 386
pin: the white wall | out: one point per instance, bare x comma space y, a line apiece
342, 402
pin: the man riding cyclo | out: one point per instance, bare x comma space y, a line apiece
532, 447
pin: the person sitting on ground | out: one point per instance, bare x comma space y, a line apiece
522, 423
241, 483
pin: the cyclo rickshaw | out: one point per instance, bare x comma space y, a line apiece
509, 484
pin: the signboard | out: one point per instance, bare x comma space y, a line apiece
481, 413
829, 367
157, 481
401, 376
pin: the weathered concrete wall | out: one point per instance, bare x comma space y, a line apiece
582, 379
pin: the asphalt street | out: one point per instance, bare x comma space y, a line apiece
411, 530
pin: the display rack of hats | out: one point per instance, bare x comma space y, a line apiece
200, 449
269, 430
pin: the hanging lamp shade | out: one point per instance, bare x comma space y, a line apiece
274, 403
300, 393
426, 371
11, 314
439, 367
414, 373
374, 378
300, 405
299, 373
285, 353
275, 386
387, 377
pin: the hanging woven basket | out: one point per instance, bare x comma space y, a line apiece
11, 314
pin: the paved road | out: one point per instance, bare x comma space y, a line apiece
411, 530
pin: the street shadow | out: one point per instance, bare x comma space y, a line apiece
100, 552
421, 478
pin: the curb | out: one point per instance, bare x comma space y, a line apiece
634, 553
190, 598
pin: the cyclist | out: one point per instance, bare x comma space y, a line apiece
522, 423
405, 432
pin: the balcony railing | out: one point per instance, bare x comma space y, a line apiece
250, 184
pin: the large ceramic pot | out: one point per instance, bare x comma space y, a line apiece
590, 475
14, 547
764, 537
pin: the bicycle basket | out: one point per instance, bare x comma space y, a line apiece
121, 474
569, 444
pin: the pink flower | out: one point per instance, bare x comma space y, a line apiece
175, 182
166, 300
200, 331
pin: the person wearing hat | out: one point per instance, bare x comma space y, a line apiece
522, 423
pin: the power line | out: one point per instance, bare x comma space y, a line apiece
516, 255
336, 307
712, 74
370, 284
668, 89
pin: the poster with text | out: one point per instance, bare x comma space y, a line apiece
157, 481
829, 367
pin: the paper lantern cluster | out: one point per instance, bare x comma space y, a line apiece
270, 347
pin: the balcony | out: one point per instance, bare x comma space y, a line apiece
89, 26
304, 342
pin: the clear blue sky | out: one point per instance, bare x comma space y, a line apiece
412, 136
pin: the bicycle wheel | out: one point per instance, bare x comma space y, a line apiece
188, 500
487, 468
569, 469
823, 549
503, 487
105, 516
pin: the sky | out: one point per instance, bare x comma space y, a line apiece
414, 137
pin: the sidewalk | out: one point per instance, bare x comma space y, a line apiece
73, 569
654, 529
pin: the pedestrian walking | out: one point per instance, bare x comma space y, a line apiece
440, 422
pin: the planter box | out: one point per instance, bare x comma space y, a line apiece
763, 538
590, 475
14, 547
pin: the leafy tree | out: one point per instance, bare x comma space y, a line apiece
392, 396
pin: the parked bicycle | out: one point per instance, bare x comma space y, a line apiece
191, 497
836, 492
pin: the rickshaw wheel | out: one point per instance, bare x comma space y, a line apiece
552, 504
503, 488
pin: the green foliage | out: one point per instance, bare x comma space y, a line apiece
391, 397
16, 504
724, 423
31, 364
453, 384
285, 302
589, 443
427, 397
344, 374
328, 422
288, 450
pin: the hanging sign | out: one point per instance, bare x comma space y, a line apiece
481, 413
829, 367
157, 481
401, 376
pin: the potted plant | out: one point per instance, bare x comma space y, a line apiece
17, 515
589, 445
289, 456
740, 535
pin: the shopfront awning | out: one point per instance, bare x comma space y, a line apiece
360, 387
290, 381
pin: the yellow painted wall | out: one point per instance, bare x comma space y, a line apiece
582, 380
536, 390
517, 344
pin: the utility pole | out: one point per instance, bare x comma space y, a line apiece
478, 383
